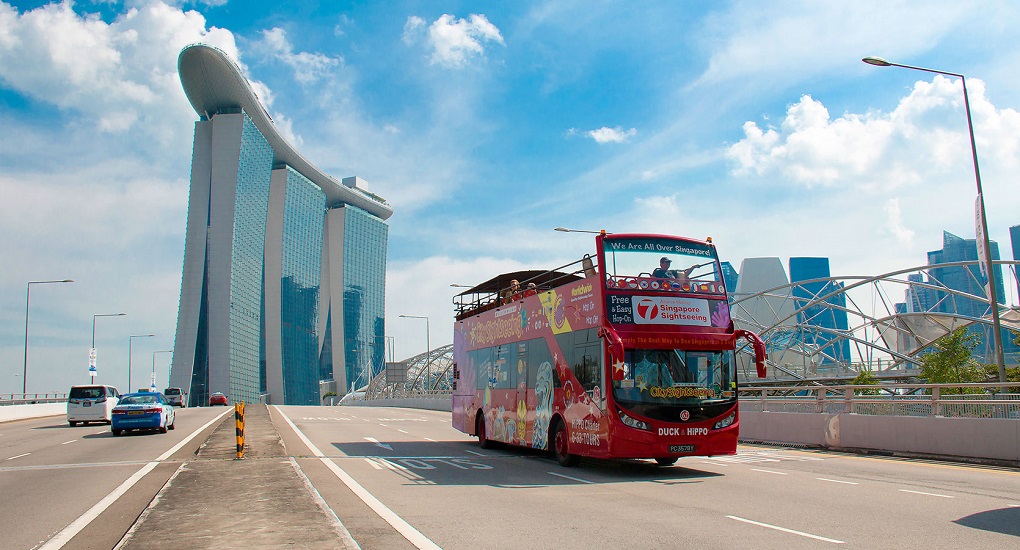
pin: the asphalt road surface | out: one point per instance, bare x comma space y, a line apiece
455, 495
403, 478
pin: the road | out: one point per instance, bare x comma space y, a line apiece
457, 495
403, 478
52, 474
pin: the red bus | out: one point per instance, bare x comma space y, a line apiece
613, 356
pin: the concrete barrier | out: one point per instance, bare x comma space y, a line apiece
993, 439
36, 410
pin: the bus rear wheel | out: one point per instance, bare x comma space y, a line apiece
560, 439
668, 461
483, 441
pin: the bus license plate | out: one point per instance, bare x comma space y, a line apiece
681, 448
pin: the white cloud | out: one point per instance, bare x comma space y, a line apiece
878, 149
453, 41
611, 135
121, 73
895, 221
308, 67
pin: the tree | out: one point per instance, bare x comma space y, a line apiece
950, 362
865, 378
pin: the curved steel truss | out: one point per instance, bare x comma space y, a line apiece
833, 328
798, 323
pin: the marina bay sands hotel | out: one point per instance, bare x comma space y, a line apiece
284, 266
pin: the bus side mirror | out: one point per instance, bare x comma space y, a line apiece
759, 349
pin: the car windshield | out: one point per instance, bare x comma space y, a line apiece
87, 393
172, 391
138, 399
676, 377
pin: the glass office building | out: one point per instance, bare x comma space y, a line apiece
829, 318
283, 264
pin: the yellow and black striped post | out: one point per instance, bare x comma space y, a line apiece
239, 421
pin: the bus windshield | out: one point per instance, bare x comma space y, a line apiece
643, 257
676, 377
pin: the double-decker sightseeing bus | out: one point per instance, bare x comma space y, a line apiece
627, 354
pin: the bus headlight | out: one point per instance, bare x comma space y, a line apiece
725, 422
633, 422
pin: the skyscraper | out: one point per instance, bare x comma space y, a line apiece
832, 317
284, 266
1014, 240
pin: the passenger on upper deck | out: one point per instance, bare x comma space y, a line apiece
531, 291
664, 272
513, 293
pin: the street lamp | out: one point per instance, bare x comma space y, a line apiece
92, 351
428, 348
565, 230
993, 299
129, 355
152, 383
28, 299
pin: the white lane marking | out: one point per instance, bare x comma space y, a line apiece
770, 472
71, 441
577, 479
837, 481
1014, 505
926, 494
376, 441
373, 463
785, 530
715, 463
18, 456
99, 433
401, 431
476, 453
430, 439
69, 532
413, 536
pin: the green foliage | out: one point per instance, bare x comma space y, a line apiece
328, 394
951, 362
865, 378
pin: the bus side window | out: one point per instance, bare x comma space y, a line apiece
481, 358
586, 367
538, 354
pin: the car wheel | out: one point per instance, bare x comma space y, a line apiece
162, 429
173, 424
116, 433
73, 424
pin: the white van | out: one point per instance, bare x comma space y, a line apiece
91, 404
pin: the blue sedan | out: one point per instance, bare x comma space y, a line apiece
142, 411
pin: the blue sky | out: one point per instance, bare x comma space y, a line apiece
485, 125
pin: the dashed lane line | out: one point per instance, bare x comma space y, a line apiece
926, 494
837, 481
770, 472
785, 530
71, 441
18, 456
577, 479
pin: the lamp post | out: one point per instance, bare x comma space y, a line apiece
152, 383
92, 351
428, 348
28, 299
565, 230
130, 338
993, 299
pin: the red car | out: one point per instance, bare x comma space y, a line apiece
217, 399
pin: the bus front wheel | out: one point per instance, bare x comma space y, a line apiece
668, 461
560, 439
483, 441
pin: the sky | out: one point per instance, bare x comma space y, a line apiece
485, 125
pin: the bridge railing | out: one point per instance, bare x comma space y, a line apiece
30, 398
979, 400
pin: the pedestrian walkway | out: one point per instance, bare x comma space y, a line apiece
216, 501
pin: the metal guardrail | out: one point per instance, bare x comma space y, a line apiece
984, 400
397, 393
31, 398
